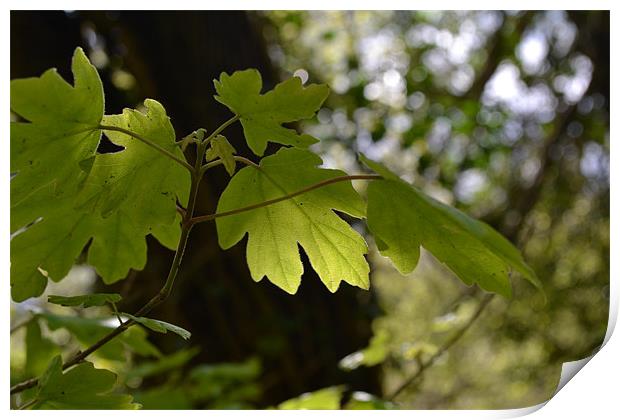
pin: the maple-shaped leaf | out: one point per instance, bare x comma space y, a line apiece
62, 131
262, 116
139, 179
82, 387
402, 218
124, 196
334, 249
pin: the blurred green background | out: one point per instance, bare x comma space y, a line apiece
504, 115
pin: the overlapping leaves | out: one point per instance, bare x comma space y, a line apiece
72, 194
115, 200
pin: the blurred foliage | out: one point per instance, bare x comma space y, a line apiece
504, 115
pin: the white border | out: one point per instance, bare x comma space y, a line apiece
593, 393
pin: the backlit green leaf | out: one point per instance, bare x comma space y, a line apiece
402, 218
82, 387
61, 128
123, 197
335, 250
262, 116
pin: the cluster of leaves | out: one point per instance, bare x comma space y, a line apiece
218, 386
117, 199
66, 194
113, 201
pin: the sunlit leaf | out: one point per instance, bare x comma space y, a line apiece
335, 250
402, 218
115, 199
61, 128
262, 116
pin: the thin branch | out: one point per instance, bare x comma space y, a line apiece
181, 210
208, 217
445, 347
157, 299
148, 143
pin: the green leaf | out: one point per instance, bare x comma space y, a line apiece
139, 179
379, 168
221, 148
82, 387
89, 330
62, 127
126, 196
160, 326
39, 350
334, 249
262, 116
168, 234
95, 299
323, 399
402, 218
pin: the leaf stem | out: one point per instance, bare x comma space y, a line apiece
446, 346
218, 162
148, 143
208, 217
220, 129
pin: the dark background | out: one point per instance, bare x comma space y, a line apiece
558, 214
